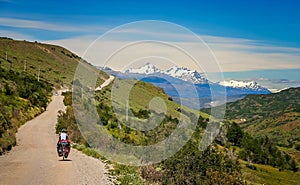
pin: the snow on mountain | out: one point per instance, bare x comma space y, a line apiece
146, 69
186, 75
165, 79
244, 85
195, 77
176, 72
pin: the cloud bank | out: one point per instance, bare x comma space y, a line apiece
232, 54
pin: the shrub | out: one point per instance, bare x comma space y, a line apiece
23, 96
251, 166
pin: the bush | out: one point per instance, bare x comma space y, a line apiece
191, 166
235, 134
297, 146
264, 151
251, 166
21, 98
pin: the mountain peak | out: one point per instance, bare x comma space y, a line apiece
147, 69
181, 73
186, 74
243, 84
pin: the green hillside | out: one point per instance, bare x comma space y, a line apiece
264, 130
22, 97
188, 166
241, 153
265, 174
234, 158
274, 115
54, 64
29, 71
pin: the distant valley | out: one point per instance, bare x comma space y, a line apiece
197, 89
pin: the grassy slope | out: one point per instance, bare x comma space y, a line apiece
269, 175
19, 88
22, 97
278, 117
139, 98
57, 65
274, 115
142, 93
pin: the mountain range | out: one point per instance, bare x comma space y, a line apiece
182, 73
189, 87
244, 85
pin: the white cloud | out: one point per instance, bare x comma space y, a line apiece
77, 45
16, 35
232, 54
34, 24
241, 54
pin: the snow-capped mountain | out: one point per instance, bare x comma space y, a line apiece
186, 75
244, 85
146, 69
176, 72
172, 79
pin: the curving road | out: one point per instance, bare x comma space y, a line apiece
34, 160
105, 83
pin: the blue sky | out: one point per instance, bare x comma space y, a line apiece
275, 21
245, 35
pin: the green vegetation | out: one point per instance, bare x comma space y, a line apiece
22, 97
265, 174
263, 131
235, 135
29, 71
140, 96
125, 174
246, 150
192, 166
259, 150
188, 166
52, 63
230, 160
274, 115
67, 120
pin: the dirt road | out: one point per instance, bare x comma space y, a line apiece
106, 83
34, 160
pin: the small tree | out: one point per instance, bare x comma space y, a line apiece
235, 134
